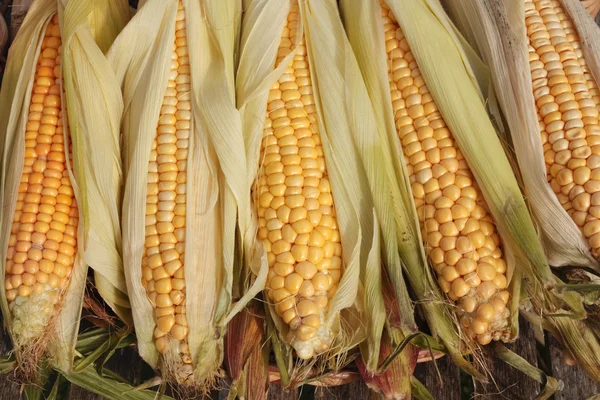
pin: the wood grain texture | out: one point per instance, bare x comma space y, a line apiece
510, 383
356, 390
577, 385
445, 388
9, 388
276, 392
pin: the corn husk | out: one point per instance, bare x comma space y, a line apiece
455, 89
335, 78
247, 357
141, 57
395, 382
592, 7
94, 106
393, 376
563, 241
497, 30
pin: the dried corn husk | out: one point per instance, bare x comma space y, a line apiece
392, 378
247, 356
395, 381
94, 107
592, 7
497, 30
141, 56
335, 80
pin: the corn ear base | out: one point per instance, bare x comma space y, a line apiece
248, 354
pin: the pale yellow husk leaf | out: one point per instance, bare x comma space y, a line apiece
141, 58
334, 73
94, 107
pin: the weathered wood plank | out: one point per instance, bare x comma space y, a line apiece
508, 382
9, 386
577, 384
356, 390
276, 392
448, 388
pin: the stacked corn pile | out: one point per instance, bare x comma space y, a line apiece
312, 160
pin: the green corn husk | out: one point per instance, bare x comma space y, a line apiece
94, 107
496, 30
141, 57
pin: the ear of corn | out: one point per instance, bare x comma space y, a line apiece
46, 185
179, 217
448, 144
314, 220
564, 241
507, 38
365, 30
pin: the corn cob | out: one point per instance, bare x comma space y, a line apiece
567, 99
164, 250
43, 238
297, 220
461, 239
